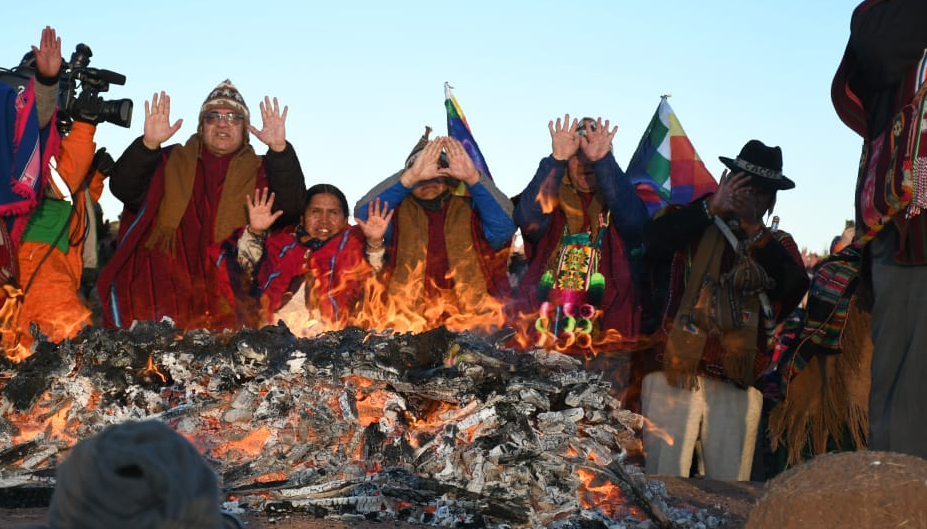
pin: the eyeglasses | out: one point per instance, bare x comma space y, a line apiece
233, 118
583, 124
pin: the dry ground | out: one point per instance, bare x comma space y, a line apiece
736, 499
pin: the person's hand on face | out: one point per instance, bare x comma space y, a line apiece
597, 140
425, 167
737, 198
459, 164
274, 122
729, 196
563, 139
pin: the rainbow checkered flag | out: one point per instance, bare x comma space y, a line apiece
459, 129
665, 169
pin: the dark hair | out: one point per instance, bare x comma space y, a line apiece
331, 190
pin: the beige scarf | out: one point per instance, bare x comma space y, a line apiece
573, 210
179, 177
725, 307
408, 277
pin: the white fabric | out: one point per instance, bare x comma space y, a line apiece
720, 416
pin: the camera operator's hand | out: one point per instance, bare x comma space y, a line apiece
48, 54
103, 162
274, 132
459, 164
158, 128
87, 108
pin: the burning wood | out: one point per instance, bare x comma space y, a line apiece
441, 428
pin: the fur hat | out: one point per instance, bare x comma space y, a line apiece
142, 475
762, 163
225, 95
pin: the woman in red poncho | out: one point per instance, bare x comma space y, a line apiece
312, 276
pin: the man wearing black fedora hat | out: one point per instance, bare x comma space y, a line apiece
732, 280
880, 78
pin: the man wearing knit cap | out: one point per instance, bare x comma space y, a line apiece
181, 199
142, 475
444, 254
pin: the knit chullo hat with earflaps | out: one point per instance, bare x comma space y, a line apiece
419, 147
180, 173
225, 95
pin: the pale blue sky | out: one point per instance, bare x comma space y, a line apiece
362, 79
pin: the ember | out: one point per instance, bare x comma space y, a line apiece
440, 428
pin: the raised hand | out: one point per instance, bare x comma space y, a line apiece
378, 218
274, 122
158, 128
459, 164
730, 195
260, 217
48, 54
563, 139
425, 166
809, 259
596, 143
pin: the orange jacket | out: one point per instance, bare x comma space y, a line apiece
52, 278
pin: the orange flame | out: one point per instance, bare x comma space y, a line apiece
419, 307
152, 369
249, 445
598, 492
17, 352
652, 429
46, 419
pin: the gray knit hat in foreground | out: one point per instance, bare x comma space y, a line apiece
137, 475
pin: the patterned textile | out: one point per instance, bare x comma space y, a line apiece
29, 150
573, 291
832, 288
893, 170
713, 306
578, 261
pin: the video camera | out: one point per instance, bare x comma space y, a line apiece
88, 106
